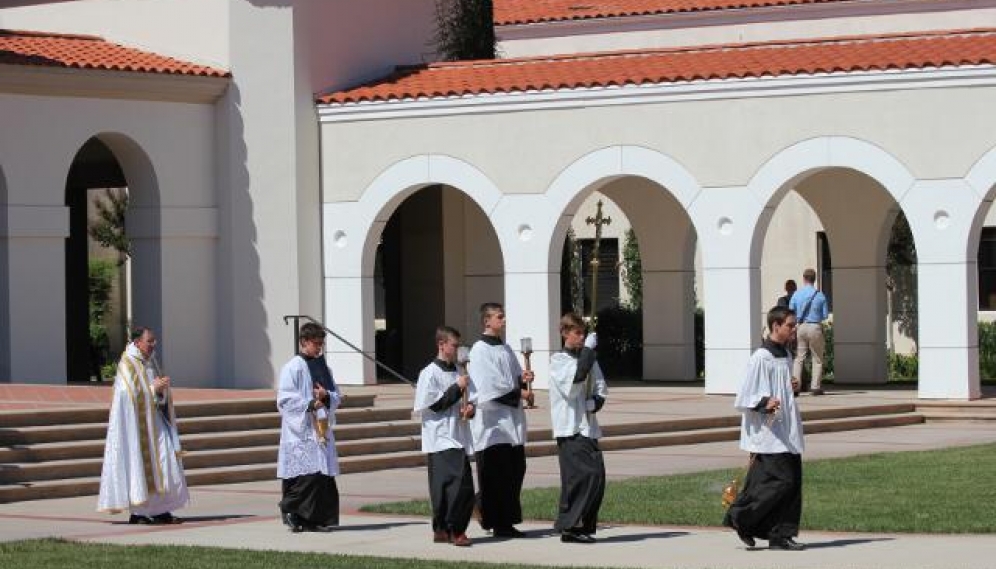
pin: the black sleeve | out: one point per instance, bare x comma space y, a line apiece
761, 407
451, 396
586, 360
599, 401
511, 398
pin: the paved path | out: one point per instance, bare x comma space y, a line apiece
244, 515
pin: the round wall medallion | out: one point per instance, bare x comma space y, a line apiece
942, 219
525, 232
725, 226
339, 239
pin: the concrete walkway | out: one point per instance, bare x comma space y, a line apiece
245, 515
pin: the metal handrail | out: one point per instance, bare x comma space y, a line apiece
297, 340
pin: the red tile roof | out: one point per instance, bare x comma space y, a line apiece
674, 65
90, 52
510, 12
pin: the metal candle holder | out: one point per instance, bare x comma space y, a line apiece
526, 346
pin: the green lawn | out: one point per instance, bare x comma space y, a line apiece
59, 554
942, 491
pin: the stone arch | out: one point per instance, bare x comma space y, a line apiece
382, 197
467, 255
113, 159
654, 191
833, 174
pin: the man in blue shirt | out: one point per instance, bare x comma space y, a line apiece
810, 307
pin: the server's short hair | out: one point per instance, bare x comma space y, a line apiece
444, 333
310, 331
571, 321
778, 315
488, 307
809, 275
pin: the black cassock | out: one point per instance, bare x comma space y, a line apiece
313, 497
582, 484
770, 504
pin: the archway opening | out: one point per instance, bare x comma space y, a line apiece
437, 260
97, 268
646, 302
848, 228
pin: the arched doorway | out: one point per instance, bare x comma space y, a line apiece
115, 281
663, 327
437, 260
840, 222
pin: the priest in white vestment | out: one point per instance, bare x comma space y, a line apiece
577, 393
499, 424
445, 401
142, 471
770, 505
307, 463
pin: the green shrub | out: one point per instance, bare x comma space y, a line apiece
987, 350
903, 367
101, 279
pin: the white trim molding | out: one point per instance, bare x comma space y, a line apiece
713, 89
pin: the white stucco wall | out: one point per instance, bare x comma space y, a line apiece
178, 141
190, 30
728, 163
787, 23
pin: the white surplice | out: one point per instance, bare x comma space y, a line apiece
568, 411
444, 429
769, 433
300, 451
495, 371
142, 470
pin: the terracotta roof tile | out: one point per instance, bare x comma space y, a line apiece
674, 65
511, 12
90, 52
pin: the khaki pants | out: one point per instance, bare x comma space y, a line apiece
809, 338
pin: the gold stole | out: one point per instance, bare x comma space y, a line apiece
143, 402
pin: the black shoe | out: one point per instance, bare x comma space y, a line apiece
816, 392
139, 520
166, 518
787, 544
508, 532
293, 522
748, 540
574, 537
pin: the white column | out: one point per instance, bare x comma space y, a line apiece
36, 241
349, 290
668, 325
525, 228
941, 215
858, 324
182, 293
726, 219
349, 312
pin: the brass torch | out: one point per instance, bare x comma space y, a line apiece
526, 347
463, 358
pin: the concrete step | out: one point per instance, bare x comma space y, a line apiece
190, 409
30, 435
365, 447
970, 411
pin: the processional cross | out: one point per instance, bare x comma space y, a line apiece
598, 221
